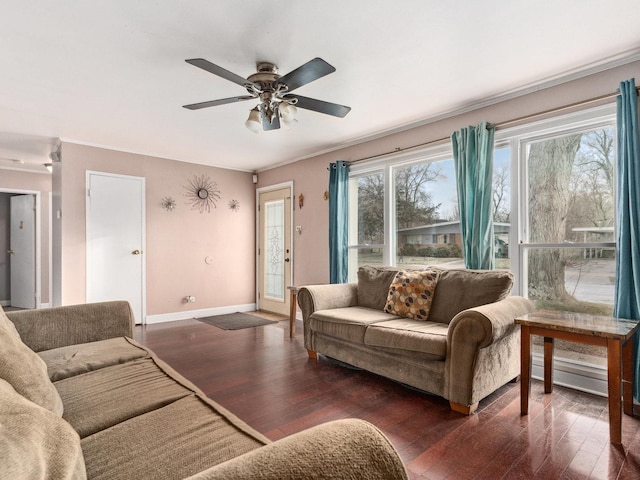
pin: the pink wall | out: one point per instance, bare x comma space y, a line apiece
13, 180
310, 177
177, 242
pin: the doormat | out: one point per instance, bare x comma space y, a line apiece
235, 321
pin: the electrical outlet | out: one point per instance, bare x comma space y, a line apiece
299, 229
190, 299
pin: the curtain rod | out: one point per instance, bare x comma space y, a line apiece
500, 126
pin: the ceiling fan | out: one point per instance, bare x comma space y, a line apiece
274, 92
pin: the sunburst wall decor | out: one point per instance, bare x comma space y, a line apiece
202, 193
169, 204
234, 205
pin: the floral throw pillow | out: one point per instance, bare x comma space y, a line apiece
411, 293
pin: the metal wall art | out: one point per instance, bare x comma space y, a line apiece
169, 204
202, 193
234, 205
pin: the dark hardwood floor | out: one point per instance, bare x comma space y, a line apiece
267, 379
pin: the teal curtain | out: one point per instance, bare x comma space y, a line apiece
338, 221
627, 283
473, 160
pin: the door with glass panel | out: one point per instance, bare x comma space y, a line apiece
274, 250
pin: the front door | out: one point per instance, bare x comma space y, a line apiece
115, 240
22, 251
274, 250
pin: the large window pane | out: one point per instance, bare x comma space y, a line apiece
570, 196
587, 286
366, 221
427, 220
501, 196
570, 207
369, 194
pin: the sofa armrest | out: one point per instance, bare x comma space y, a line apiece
489, 323
472, 330
48, 328
344, 449
323, 297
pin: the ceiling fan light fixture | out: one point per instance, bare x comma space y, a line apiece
288, 112
277, 104
253, 123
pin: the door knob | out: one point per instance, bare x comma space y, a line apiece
286, 259
11, 252
136, 252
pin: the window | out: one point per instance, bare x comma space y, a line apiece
426, 214
568, 245
366, 220
501, 201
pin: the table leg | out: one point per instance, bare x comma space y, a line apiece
548, 364
525, 369
627, 376
614, 377
292, 313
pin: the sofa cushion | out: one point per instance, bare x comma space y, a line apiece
34, 442
373, 285
407, 334
349, 323
411, 293
73, 360
176, 441
8, 324
27, 373
100, 399
459, 289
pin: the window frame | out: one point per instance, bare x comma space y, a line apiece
516, 138
386, 165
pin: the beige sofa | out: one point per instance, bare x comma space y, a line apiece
93, 403
467, 347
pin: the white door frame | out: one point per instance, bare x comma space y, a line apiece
259, 191
143, 319
38, 243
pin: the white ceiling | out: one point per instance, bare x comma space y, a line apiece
112, 73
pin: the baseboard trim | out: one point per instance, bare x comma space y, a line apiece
205, 312
573, 374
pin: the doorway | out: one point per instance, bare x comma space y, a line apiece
20, 249
116, 240
274, 252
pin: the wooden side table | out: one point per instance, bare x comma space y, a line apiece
293, 309
616, 334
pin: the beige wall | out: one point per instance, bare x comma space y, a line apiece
310, 177
13, 180
177, 242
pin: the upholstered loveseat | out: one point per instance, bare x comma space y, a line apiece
93, 403
456, 338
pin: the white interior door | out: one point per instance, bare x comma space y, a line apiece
22, 251
275, 257
115, 240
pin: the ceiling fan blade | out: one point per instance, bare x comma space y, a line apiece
307, 73
320, 106
215, 103
266, 125
219, 71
